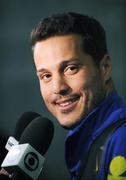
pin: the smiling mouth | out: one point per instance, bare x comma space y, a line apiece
68, 104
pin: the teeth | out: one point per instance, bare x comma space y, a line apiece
67, 103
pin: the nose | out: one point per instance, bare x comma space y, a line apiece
60, 86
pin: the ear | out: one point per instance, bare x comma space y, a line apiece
106, 68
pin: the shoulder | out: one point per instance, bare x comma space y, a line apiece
116, 144
114, 156
119, 134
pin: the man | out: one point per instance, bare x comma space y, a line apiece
75, 74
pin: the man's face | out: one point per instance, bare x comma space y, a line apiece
71, 84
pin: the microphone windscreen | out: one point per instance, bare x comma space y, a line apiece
38, 134
23, 122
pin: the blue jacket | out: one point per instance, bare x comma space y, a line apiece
80, 139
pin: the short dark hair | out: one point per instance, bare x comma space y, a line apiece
92, 33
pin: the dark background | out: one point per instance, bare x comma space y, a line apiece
19, 88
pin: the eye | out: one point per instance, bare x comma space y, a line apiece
46, 77
71, 69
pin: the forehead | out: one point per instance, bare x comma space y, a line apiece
71, 42
56, 49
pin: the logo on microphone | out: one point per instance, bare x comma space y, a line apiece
31, 161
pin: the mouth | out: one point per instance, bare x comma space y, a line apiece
68, 104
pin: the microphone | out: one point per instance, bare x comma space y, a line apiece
26, 159
21, 124
38, 134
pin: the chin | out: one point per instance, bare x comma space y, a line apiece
68, 125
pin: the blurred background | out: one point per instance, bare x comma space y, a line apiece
19, 87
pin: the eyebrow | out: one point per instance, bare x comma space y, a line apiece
62, 64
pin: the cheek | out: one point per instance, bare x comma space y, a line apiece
79, 81
45, 92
